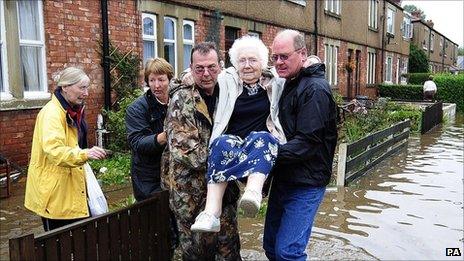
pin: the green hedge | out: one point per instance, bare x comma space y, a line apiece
401, 92
417, 78
450, 88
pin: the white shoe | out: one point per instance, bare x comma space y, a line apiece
206, 222
250, 202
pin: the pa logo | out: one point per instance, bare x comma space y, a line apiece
453, 251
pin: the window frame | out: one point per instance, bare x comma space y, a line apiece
331, 61
407, 28
5, 94
389, 77
393, 11
333, 6
373, 10
186, 41
371, 64
432, 41
174, 41
150, 38
404, 70
41, 94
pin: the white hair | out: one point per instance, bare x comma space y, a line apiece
70, 76
249, 43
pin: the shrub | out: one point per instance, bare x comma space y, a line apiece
418, 62
117, 168
359, 125
125, 72
116, 124
417, 78
450, 88
401, 92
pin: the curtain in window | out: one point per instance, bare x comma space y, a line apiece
187, 50
148, 50
29, 35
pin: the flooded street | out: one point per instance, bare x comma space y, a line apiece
409, 207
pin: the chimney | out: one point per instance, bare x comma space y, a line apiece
417, 14
430, 23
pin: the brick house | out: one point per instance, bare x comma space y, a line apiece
441, 51
363, 43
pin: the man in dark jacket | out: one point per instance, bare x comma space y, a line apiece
303, 168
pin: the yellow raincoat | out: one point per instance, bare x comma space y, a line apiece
55, 186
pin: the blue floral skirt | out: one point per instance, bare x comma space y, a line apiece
231, 157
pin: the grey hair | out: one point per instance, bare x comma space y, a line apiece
249, 43
298, 38
70, 76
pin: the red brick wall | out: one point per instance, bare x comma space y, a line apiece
72, 32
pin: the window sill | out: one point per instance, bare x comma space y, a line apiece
297, 2
371, 85
334, 15
373, 29
15, 104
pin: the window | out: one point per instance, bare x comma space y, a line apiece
404, 70
407, 28
231, 33
4, 91
332, 6
390, 21
32, 49
254, 34
330, 60
432, 37
170, 52
373, 13
388, 69
397, 78
426, 39
371, 58
149, 36
189, 40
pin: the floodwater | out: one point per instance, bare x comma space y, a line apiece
409, 207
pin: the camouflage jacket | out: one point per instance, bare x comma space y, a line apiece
188, 126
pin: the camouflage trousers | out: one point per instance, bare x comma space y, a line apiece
224, 245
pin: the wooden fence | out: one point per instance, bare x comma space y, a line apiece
431, 116
138, 232
356, 158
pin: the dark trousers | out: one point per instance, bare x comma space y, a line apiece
50, 224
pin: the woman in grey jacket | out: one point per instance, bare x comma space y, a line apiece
246, 131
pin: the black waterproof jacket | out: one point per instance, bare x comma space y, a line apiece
307, 112
144, 121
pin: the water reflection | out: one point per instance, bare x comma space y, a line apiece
409, 207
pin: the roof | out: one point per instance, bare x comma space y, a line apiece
431, 28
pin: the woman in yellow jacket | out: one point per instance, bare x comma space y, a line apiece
55, 187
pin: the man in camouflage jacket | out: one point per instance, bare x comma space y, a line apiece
188, 125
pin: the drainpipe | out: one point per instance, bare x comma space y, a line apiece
106, 54
383, 41
315, 26
443, 55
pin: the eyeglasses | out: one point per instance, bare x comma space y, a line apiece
201, 69
244, 61
283, 57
